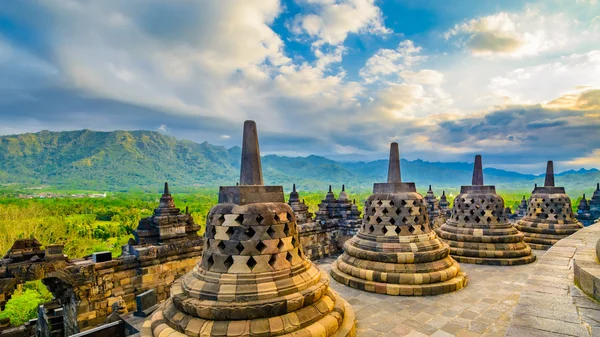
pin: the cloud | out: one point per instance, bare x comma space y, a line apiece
162, 129
332, 20
387, 62
329, 22
557, 78
511, 34
546, 123
591, 160
203, 67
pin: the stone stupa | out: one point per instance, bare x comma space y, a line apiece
253, 278
549, 216
167, 224
395, 251
478, 230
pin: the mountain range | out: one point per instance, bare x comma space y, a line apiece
126, 160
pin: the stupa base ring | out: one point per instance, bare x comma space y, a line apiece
456, 283
495, 261
168, 321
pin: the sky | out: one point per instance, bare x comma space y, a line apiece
515, 81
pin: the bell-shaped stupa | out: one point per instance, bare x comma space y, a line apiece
549, 216
478, 230
395, 251
253, 278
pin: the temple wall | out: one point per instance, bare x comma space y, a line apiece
319, 241
96, 286
323, 239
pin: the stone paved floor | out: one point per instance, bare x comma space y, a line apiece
550, 305
483, 308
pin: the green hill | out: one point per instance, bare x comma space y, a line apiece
126, 160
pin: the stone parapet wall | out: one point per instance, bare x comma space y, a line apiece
586, 263
319, 241
120, 280
87, 290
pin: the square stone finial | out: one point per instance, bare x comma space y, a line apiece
549, 182
477, 172
394, 175
394, 182
251, 188
251, 170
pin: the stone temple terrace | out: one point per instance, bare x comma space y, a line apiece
405, 265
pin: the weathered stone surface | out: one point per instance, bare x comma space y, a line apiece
251, 170
394, 174
167, 224
437, 214
549, 216
395, 251
146, 303
253, 278
336, 221
550, 305
84, 289
478, 230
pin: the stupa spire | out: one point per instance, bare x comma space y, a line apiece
166, 200
251, 170
330, 189
597, 186
429, 189
343, 188
477, 171
549, 174
294, 188
394, 175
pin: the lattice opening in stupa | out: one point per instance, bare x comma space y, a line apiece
395, 251
253, 278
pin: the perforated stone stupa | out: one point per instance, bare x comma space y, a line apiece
395, 251
253, 278
549, 215
478, 230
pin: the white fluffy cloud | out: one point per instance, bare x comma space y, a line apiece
404, 90
387, 62
332, 20
329, 22
545, 82
512, 34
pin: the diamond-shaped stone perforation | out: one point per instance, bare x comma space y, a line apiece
550, 209
251, 242
389, 217
478, 209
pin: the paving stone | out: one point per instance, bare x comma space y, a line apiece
518, 331
550, 325
452, 328
441, 333
402, 330
466, 333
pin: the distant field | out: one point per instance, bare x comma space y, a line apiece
88, 225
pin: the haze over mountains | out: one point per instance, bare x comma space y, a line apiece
125, 160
